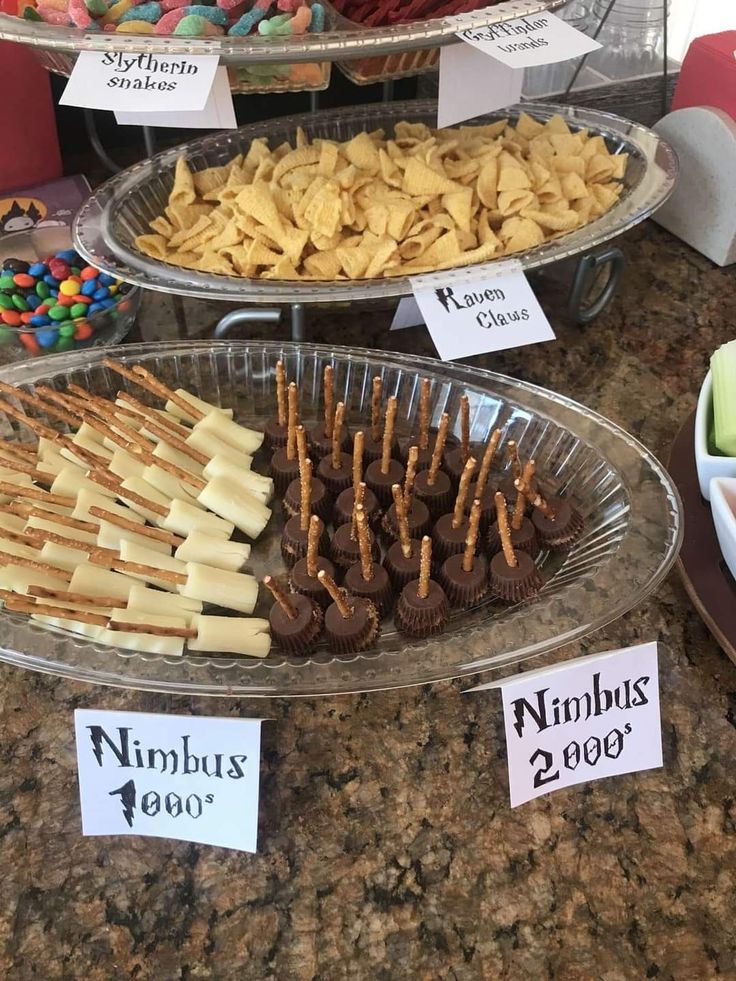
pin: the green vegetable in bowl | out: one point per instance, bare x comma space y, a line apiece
723, 367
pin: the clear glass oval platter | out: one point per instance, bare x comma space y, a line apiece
119, 210
633, 523
342, 39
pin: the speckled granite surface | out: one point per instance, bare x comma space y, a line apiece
387, 846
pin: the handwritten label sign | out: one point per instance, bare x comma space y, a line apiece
140, 82
542, 39
472, 84
493, 312
593, 717
193, 778
218, 112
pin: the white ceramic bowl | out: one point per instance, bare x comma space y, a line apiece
723, 508
708, 466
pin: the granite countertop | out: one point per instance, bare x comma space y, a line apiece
387, 846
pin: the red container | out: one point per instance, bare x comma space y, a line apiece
708, 74
29, 149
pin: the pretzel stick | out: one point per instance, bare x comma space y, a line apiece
36, 494
146, 380
36, 403
19, 449
40, 534
485, 466
19, 466
102, 409
313, 536
388, 433
188, 633
502, 517
173, 440
7, 559
67, 403
155, 534
337, 436
439, 449
21, 510
77, 599
280, 393
513, 451
143, 411
425, 567
19, 537
149, 571
402, 521
364, 544
19, 604
305, 495
63, 519
424, 414
339, 596
358, 498
329, 393
472, 537
464, 428
104, 480
376, 409
89, 457
33, 424
302, 450
293, 421
524, 490
280, 596
542, 505
358, 445
462, 492
411, 472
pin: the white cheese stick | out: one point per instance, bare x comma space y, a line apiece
110, 536
234, 504
198, 403
142, 488
84, 439
71, 480
19, 579
125, 465
26, 551
164, 451
222, 553
12, 522
48, 524
146, 643
255, 483
183, 518
144, 599
92, 499
239, 437
54, 463
231, 635
211, 445
170, 485
62, 556
92, 580
233, 590
89, 630
131, 552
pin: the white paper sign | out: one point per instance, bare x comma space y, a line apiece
140, 82
593, 717
541, 39
218, 112
493, 311
407, 314
472, 84
193, 778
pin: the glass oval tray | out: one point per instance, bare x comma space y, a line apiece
342, 40
119, 210
633, 524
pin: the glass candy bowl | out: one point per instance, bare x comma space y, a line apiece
633, 523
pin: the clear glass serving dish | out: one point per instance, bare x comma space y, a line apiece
633, 524
340, 41
119, 210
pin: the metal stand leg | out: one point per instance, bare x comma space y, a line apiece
582, 309
149, 139
254, 315
314, 101
387, 94
298, 322
94, 138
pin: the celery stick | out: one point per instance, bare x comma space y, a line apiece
723, 366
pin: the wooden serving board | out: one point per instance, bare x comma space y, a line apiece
708, 582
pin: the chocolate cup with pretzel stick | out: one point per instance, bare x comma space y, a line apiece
344, 549
464, 576
513, 575
352, 624
433, 486
558, 524
320, 497
457, 455
295, 538
373, 444
402, 568
381, 475
522, 532
303, 578
335, 469
275, 432
345, 503
321, 435
296, 621
284, 465
422, 609
367, 578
